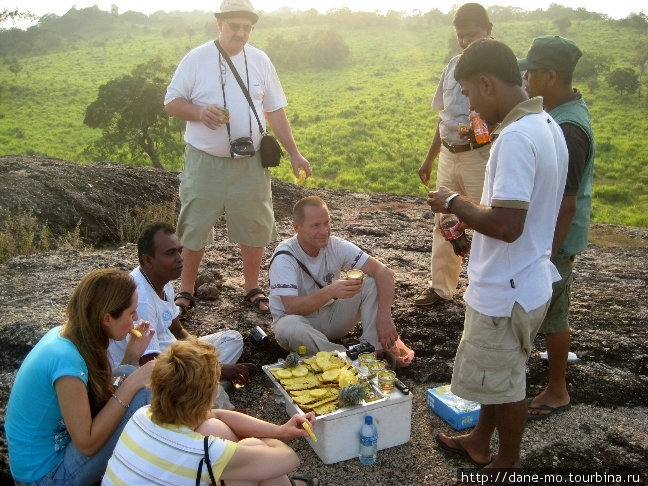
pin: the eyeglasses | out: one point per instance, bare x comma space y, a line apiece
236, 27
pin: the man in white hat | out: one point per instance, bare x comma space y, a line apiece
222, 171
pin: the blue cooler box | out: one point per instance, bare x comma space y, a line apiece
459, 413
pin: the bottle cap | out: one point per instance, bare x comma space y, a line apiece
368, 419
301, 350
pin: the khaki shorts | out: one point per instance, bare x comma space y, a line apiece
238, 188
490, 365
557, 318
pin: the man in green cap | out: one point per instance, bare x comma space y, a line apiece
549, 65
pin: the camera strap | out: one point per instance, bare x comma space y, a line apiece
244, 88
301, 265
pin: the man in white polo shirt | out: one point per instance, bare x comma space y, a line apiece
510, 271
222, 172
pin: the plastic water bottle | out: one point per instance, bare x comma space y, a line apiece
368, 442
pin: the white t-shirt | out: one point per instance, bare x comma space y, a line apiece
287, 278
150, 308
198, 80
527, 165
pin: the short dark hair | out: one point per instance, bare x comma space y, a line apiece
488, 56
470, 14
146, 241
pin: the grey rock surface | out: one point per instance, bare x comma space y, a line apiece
607, 426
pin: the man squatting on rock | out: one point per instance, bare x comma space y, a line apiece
510, 271
311, 310
160, 262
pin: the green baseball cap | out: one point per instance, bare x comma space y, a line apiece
551, 52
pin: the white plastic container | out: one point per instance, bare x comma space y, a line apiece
338, 432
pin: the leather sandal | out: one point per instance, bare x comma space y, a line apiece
184, 308
256, 303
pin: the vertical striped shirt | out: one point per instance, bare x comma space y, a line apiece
152, 454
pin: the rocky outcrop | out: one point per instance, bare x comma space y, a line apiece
606, 426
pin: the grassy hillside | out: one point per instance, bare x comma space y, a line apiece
365, 127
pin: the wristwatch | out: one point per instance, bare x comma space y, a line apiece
448, 202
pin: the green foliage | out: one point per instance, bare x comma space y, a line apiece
623, 80
130, 223
129, 112
15, 66
591, 65
323, 49
562, 24
21, 234
15, 14
364, 125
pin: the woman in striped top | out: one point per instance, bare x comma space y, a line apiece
164, 443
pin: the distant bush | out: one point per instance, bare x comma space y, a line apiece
591, 65
130, 223
21, 234
324, 49
623, 80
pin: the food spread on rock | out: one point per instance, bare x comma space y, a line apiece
323, 383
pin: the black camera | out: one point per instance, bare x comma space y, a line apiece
357, 349
242, 147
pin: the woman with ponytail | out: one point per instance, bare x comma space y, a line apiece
66, 410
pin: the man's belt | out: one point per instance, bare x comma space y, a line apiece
465, 147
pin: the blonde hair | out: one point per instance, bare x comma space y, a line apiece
184, 383
100, 292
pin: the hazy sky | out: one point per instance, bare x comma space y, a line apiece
615, 9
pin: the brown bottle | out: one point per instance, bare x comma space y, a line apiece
450, 228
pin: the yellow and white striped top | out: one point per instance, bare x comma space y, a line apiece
151, 454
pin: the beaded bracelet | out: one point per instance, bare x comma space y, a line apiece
119, 400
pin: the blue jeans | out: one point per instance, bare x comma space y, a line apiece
78, 470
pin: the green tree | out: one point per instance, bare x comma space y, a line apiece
129, 110
590, 66
328, 49
6, 14
640, 58
562, 24
15, 66
623, 80
324, 49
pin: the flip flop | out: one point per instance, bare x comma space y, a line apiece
545, 408
256, 303
459, 449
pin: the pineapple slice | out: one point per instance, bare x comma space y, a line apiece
284, 373
300, 370
322, 359
331, 375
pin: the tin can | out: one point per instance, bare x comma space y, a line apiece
259, 336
